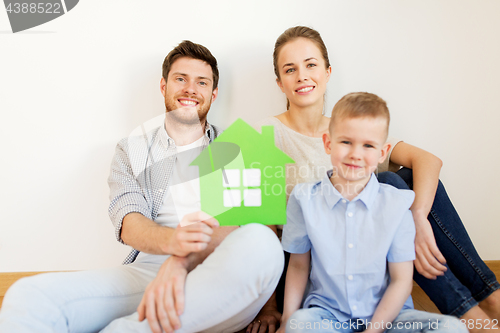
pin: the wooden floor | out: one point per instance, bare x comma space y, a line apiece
421, 301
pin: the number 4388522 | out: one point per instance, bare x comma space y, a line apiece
25, 8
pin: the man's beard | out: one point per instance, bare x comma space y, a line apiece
187, 115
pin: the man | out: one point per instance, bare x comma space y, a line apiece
190, 276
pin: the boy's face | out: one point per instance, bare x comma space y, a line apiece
356, 146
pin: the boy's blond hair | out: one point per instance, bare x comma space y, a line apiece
360, 105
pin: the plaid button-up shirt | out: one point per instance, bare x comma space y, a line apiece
140, 173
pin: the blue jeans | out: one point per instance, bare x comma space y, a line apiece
468, 280
317, 319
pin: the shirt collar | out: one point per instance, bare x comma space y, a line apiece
333, 196
168, 141
369, 193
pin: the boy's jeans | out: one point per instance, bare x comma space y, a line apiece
223, 294
468, 280
316, 319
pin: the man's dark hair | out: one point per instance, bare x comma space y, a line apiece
191, 50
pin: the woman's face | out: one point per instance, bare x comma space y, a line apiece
303, 75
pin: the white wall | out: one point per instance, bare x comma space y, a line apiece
71, 88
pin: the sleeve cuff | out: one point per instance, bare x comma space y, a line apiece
401, 257
120, 215
296, 248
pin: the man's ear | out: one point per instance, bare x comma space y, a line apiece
215, 93
384, 152
327, 143
163, 86
278, 82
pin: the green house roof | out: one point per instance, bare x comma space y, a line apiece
255, 147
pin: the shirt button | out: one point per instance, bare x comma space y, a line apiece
343, 201
354, 307
351, 246
350, 214
350, 277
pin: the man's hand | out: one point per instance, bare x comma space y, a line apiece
194, 236
163, 301
429, 261
266, 321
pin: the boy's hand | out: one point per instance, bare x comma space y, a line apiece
192, 235
429, 261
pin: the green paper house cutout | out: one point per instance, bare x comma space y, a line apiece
242, 177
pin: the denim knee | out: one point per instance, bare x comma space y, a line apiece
304, 320
448, 324
393, 179
415, 321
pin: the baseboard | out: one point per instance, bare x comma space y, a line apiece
7, 279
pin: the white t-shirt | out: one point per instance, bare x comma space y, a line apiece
183, 194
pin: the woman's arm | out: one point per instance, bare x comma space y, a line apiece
426, 167
394, 298
295, 285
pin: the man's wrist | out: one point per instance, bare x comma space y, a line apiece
181, 261
166, 245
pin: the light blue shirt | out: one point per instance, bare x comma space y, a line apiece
350, 242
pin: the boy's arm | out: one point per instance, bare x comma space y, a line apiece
401, 274
295, 285
426, 167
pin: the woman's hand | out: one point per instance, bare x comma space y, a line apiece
429, 260
266, 321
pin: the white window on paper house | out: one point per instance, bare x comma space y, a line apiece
231, 180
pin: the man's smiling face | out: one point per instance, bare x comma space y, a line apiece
188, 90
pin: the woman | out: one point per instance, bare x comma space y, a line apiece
447, 266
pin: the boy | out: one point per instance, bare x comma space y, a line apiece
358, 235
